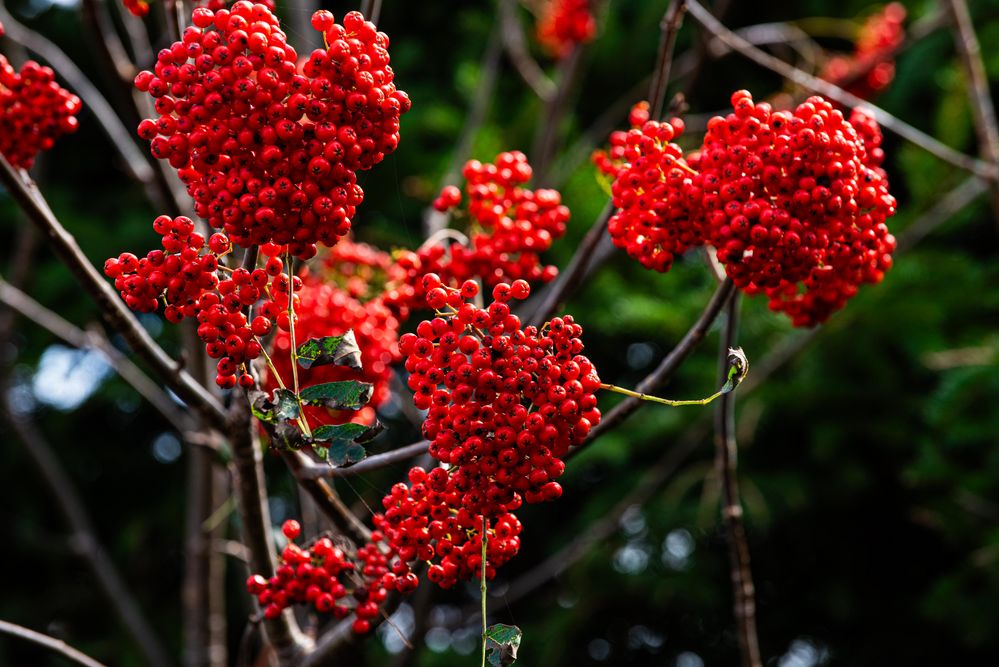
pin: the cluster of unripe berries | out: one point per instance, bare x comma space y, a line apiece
185, 277
328, 579
326, 308
508, 227
34, 111
270, 154
564, 24
870, 61
794, 202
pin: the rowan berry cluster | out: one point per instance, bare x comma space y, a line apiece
268, 154
793, 202
34, 111
870, 61
186, 279
505, 404
564, 24
328, 579
140, 7
509, 226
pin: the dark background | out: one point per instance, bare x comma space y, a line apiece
869, 460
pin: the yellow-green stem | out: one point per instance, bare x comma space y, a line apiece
294, 346
482, 590
656, 399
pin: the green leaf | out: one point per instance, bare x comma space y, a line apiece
738, 369
345, 453
281, 407
343, 395
345, 442
502, 642
337, 350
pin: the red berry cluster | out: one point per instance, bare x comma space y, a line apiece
329, 580
504, 405
512, 226
564, 24
187, 281
794, 202
34, 111
655, 197
179, 273
421, 524
140, 7
881, 33
269, 154
324, 309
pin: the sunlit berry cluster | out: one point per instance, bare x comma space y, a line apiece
508, 227
794, 202
268, 153
140, 7
329, 580
869, 69
505, 404
185, 277
564, 24
34, 111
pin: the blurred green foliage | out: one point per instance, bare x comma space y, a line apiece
869, 461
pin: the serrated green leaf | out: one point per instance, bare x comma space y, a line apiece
336, 350
502, 643
738, 368
345, 441
343, 395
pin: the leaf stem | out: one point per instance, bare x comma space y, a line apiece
482, 589
302, 422
656, 399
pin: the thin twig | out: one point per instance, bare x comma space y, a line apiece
726, 463
837, 94
317, 470
113, 309
251, 493
434, 220
371, 9
946, 208
78, 338
120, 138
982, 110
520, 56
669, 26
658, 377
326, 498
83, 537
569, 280
546, 139
51, 643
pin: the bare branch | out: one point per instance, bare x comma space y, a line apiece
726, 463
946, 208
312, 470
83, 537
118, 316
371, 9
669, 27
516, 49
546, 139
50, 643
835, 93
982, 109
569, 280
251, 494
326, 498
129, 372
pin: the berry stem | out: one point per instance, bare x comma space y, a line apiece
656, 399
482, 589
302, 422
